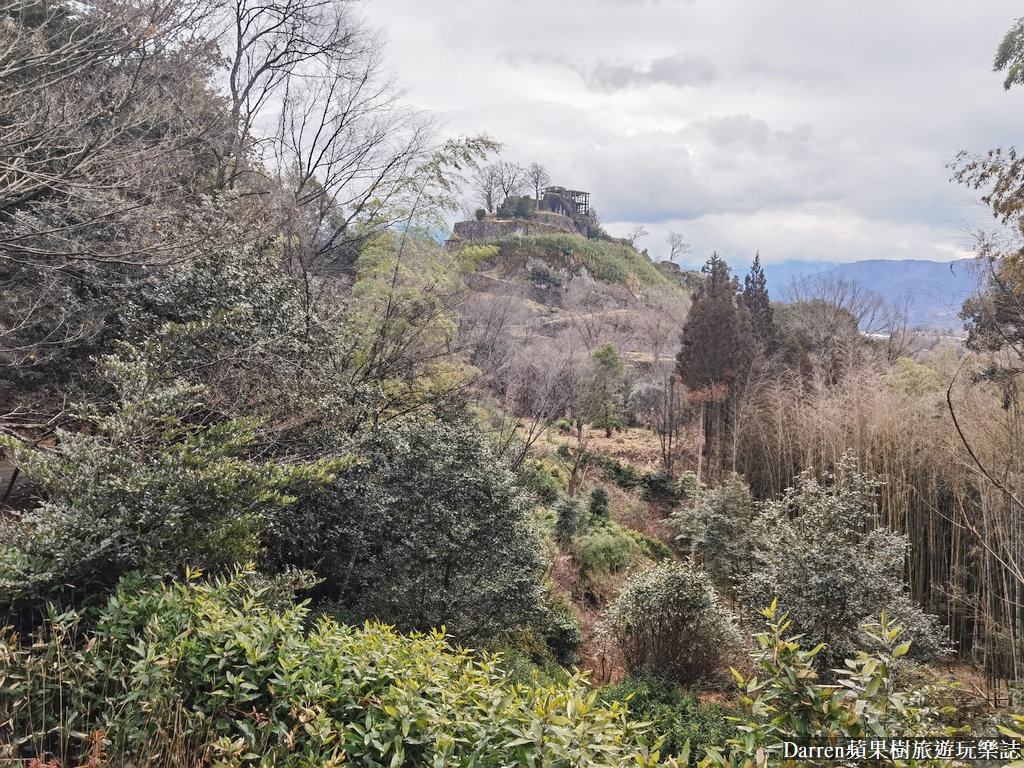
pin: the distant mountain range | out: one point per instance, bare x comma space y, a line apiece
936, 289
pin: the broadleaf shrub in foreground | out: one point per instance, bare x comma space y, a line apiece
207, 672
788, 702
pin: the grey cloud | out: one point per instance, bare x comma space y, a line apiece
745, 132
678, 70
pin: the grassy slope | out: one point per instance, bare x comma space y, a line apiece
606, 261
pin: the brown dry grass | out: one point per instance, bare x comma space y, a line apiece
637, 446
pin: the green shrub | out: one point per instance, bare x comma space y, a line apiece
151, 483
207, 673
598, 506
480, 213
818, 551
548, 646
788, 703
605, 550
650, 546
517, 207
569, 519
679, 717
659, 486
610, 262
624, 475
564, 427
668, 622
431, 529
719, 531
559, 629
543, 481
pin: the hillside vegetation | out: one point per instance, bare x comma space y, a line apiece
606, 261
287, 483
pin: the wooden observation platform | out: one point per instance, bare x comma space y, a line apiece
568, 202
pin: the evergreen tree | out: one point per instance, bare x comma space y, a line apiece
717, 347
759, 305
601, 402
716, 339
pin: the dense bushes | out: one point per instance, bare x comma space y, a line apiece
676, 715
815, 549
208, 673
787, 702
152, 482
719, 531
668, 622
429, 529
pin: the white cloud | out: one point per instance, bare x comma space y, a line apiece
814, 130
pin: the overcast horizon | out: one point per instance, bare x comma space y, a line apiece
803, 130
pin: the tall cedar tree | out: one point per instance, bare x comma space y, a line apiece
717, 343
717, 348
759, 305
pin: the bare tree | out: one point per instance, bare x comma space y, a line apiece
487, 183
636, 233
538, 177
346, 154
677, 246
842, 296
544, 381
510, 178
108, 137
265, 43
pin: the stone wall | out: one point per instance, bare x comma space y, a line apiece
542, 223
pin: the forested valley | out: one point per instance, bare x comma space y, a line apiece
292, 476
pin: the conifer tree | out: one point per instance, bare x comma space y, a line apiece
716, 339
601, 401
717, 346
759, 305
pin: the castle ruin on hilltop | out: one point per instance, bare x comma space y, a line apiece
558, 210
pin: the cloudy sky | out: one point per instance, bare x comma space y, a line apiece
806, 129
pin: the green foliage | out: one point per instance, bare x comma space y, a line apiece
676, 715
717, 341
660, 486
623, 475
606, 261
787, 703
759, 306
668, 622
153, 482
605, 550
818, 551
598, 506
1010, 55
563, 427
719, 531
569, 519
430, 529
561, 629
601, 401
543, 480
545, 648
651, 547
209, 673
517, 207
914, 380
479, 214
